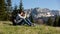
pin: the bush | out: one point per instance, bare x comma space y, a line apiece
31, 19
50, 21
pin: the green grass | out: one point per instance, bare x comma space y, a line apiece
7, 28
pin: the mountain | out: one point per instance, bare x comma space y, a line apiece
45, 12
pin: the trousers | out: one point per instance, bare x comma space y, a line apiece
25, 21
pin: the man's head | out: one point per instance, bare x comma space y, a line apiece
22, 13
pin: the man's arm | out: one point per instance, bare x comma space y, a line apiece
25, 16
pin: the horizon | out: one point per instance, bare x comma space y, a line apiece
28, 4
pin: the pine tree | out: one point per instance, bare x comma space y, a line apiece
2, 6
59, 22
2, 10
21, 6
8, 6
14, 13
8, 9
56, 21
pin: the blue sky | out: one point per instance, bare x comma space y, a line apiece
51, 4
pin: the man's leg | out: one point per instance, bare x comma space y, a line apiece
30, 22
27, 22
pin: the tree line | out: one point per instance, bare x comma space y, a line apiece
54, 22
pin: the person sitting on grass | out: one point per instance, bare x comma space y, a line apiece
21, 18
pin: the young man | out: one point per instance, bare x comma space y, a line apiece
21, 19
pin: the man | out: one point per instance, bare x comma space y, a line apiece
21, 19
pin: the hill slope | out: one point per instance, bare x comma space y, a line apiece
7, 28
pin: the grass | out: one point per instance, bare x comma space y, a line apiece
7, 28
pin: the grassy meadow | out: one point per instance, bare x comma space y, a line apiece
6, 27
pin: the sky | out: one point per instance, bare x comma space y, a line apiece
27, 4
